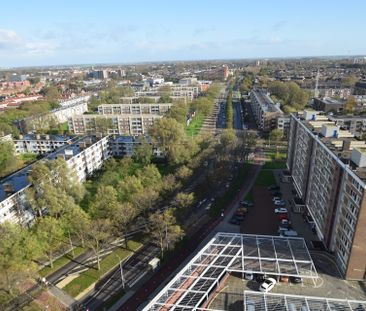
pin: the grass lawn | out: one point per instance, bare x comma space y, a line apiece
249, 196
87, 278
276, 156
57, 264
194, 127
274, 165
265, 178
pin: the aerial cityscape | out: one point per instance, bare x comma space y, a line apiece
161, 156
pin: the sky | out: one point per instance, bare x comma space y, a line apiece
35, 33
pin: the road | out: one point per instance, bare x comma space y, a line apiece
136, 267
237, 112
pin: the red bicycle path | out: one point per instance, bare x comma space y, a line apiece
142, 295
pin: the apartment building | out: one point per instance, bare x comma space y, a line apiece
328, 168
116, 124
40, 144
355, 124
84, 156
266, 112
119, 109
176, 91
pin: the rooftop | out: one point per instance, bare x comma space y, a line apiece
266, 102
269, 301
230, 252
59, 138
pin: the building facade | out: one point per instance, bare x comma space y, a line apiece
329, 175
265, 111
84, 156
40, 144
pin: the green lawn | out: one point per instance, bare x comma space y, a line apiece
265, 178
273, 165
194, 127
57, 264
249, 196
87, 278
276, 156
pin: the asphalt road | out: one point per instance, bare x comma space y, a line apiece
133, 269
238, 121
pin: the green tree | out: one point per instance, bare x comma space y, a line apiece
350, 104
164, 230
105, 203
128, 187
183, 173
50, 234
183, 200
149, 176
145, 200
18, 250
143, 152
123, 218
8, 161
169, 136
102, 125
227, 138
98, 236
77, 223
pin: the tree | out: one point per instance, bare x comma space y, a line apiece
183, 200
350, 104
98, 235
123, 218
55, 188
102, 125
18, 250
105, 203
179, 112
50, 235
276, 135
183, 173
145, 200
77, 222
229, 110
164, 230
169, 136
227, 138
149, 176
8, 161
143, 152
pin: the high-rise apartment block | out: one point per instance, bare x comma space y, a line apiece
328, 168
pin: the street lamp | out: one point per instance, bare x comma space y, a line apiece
121, 269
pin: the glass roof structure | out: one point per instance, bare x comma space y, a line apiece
231, 252
257, 301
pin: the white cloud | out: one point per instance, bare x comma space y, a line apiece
9, 39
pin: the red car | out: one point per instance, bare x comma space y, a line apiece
282, 216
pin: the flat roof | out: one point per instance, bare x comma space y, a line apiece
231, 252
283, 302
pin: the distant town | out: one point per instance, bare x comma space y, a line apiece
190, 185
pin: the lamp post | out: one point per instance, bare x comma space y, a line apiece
121, 270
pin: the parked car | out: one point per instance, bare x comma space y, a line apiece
280, 202
276, 199
295, 279
282, 216
267, 285
242, 210
246, 203
274, 187
289, 233
234, 221
276, 193
249, 276
281, 210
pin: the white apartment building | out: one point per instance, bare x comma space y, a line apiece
157, 108
40, 144
62, 114
83, 156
